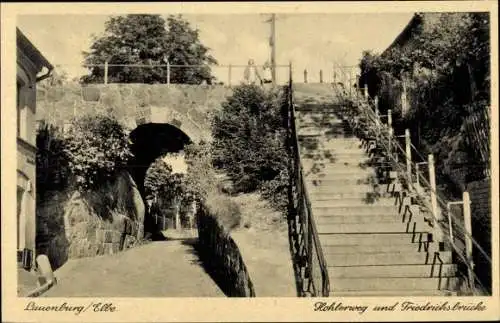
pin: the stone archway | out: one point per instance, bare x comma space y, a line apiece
150, 141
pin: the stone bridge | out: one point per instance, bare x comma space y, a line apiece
186, 107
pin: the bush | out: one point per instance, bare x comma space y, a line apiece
97, 149
249, 142
52, 168
201, 179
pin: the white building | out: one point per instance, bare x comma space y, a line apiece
30, 64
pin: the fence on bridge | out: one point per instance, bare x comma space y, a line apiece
452, 227
225, 74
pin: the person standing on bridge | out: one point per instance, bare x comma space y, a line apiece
266, 73
251, 74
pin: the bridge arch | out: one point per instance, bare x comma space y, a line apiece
196, 131
148, 141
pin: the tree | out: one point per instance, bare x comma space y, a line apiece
161, 182
249, 142
148, 40
58, 77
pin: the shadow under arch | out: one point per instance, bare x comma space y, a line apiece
148, 142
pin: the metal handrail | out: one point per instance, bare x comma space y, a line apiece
311, 245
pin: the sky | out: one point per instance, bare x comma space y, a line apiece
310, 41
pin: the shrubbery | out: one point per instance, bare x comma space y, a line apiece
249, 142
446, 69
97, 149
51, 160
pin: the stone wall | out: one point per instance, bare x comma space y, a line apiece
74, 225
189, 106
222, 257
480, 195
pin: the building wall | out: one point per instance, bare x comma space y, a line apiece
26, 153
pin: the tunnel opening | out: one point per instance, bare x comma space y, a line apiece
148, 142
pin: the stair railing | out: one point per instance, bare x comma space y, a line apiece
455, 232
309, 264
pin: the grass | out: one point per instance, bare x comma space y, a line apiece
257, 214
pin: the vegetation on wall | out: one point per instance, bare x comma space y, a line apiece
52, 167
445, 68
249, 142
149, 40
97, 149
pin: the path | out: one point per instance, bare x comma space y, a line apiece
158, 269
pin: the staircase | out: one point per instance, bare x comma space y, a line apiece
369, 248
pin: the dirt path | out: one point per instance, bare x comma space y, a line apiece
157, 269
267, 258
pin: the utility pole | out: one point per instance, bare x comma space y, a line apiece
272, 44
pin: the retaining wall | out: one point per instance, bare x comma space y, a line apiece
221, 256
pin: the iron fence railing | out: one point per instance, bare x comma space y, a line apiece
308, 260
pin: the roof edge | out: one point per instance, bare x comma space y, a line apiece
415, 21
27, 46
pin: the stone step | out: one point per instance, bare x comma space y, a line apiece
387, 227
395, 271
345, 154
328, 168
327, 156
401, 247
354, 209
338, 182
316, 107
320, 196
369, 202
393, 284
380, 239
395, 293
340, 189
385, 258
352, 177
367, 218
343, 146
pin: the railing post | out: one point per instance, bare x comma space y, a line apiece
305, 76
389, 118
408, 155
168, 73
321, 76
229, 75
366, 91
106, 72
468, 240
391, 133
404, 102
437, 216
